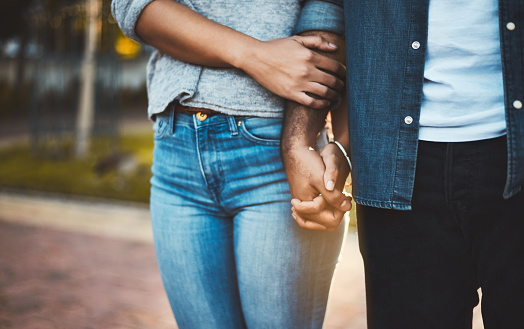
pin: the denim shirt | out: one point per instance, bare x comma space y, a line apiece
385, 47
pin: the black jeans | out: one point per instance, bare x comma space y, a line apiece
423, 266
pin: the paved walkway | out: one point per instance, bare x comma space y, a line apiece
68, 264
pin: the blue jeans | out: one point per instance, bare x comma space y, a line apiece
229, 252
423, 266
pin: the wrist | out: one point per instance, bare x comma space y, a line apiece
245, 54
290, 150
343, 150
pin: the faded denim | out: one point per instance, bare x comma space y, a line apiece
385, 74
230, 253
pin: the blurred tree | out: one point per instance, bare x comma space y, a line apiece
86, 106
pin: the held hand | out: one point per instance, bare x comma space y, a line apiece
289, 68
337, 167
318, 214
305, 170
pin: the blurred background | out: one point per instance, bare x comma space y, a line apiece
72, 101
75, 154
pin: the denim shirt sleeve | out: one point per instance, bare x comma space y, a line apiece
126, 13
326, 15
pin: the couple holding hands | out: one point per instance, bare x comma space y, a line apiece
426, 100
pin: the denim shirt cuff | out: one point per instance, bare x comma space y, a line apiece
321, 16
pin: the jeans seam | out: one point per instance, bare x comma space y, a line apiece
448, 182
200, 162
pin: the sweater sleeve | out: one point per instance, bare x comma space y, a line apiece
322, 15
126, 13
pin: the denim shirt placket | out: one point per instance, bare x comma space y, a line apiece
512, 68
410, 105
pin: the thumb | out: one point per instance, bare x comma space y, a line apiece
317, 42
331, 173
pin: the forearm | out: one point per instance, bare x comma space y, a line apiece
302, 124
191, 37
287, 67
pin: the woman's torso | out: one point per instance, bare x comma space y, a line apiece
229, 91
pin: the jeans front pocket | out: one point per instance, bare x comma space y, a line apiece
264, 131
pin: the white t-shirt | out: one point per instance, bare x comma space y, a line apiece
463, 97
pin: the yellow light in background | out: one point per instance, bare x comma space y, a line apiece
126, 47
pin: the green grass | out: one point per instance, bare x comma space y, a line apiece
63, 174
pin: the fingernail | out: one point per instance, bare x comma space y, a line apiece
343, 204
332, 45
330, 185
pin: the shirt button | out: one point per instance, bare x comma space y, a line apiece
408, 120
415, 45
517, 104
510, 26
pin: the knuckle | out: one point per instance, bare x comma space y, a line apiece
324, 92
330, 156
331, 81
303, 72
310, 102
330, 166
332, 173
288, 90
309, 55
331, 227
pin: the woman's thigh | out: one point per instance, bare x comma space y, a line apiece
193, 237
284, 271
197, 264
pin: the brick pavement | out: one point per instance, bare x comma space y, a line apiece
63, 280
66, 264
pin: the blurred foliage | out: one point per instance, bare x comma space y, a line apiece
121, 176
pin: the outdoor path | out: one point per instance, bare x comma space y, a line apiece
90, 264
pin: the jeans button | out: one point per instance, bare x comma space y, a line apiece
201, 116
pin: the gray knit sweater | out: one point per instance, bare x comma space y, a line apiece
229, 91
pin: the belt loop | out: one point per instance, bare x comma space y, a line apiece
172, 116
232, 125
